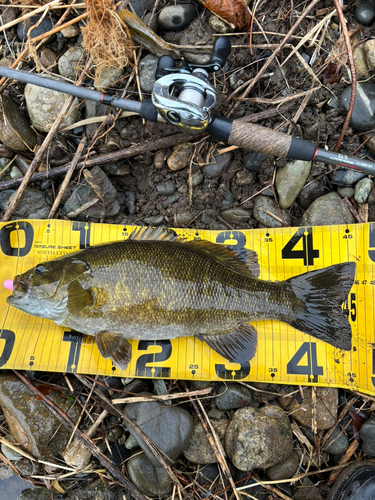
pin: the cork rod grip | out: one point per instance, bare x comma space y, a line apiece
260, 139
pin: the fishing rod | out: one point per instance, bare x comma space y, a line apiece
183, 96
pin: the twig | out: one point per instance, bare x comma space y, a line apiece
344, 459
274, 54
69, 424
67, 178
165, 142
214, 441
352, 210
166, 397
54, 3
352, 71
82, 208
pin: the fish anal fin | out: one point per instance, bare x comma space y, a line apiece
236, 346
230, 258
154, 234
78, 297
115, 347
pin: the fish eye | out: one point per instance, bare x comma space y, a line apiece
39, 269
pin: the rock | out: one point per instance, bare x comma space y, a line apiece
362, 190
360, 61
290, 181
200, 384
170, 427
369, 51
44, 106
337, 443
9, 453
345, 177
264, 204
4, 198
93, 109
131, 443
345, 192
253, 161
34, 205
30, 423
166, 188
208, 474
311, 192
150, 480
83, 194
44, 26
172, 198
199, 450
159, 160
302, 410
71, 31
217, 165
244, 177
76, 454
236, 215
258, 437
233, 396
180, 157
326, 211
284, 469
228, 200
365, 12
69, 63
219, 25
47, 58
197, 178
154, 220
177, 17
93, 490
306, 490
35, 494
183, 218
235, 81
16, 173
367, 434
108, 77
147, 68
363, 117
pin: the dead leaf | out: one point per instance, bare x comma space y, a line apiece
234, 12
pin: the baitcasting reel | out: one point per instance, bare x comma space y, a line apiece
183, 96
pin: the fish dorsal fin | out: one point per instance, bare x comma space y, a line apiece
78, 297
229, 258
236, 346
114, 346
154, 234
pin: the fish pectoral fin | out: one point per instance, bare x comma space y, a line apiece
236, 346
78, 297
114, 346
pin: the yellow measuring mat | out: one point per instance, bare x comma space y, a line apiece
283, 355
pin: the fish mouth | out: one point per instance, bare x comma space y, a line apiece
20, 288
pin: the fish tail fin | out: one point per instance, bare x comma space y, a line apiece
321, 294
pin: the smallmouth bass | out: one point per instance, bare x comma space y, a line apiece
156, 286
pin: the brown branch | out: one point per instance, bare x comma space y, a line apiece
67, 178
352, 71
352, 210
165, 142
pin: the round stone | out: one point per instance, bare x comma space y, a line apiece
177, 17
258, 437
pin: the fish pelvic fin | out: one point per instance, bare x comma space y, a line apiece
236, 346
321, 294
115, 347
